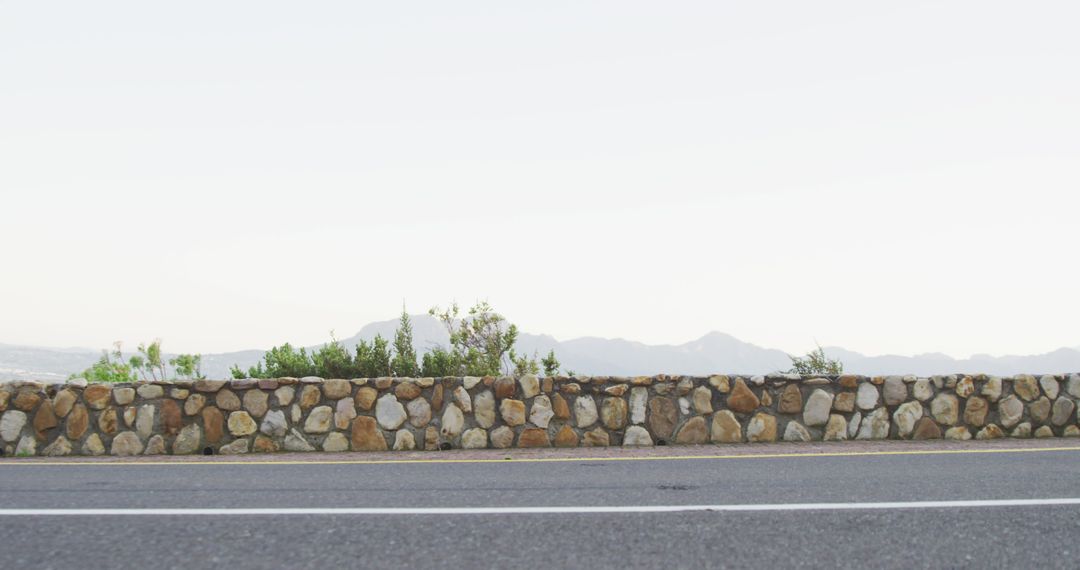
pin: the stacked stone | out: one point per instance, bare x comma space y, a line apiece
310, 414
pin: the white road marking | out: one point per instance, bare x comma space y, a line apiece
542, 510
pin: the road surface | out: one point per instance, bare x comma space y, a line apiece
848, 505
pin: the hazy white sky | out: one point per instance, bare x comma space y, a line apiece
886, 176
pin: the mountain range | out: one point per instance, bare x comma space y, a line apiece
713, 353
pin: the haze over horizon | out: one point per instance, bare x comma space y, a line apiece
235, 176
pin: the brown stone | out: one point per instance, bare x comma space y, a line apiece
77, 422
45, 419
566, 437
438, 393
97, 396
560, 407
366, 435
662, 418
25, 400
512, 412
597, 438
227, 400
613, 413
617, 390
336, 389
844, 402
309, 396
766, 398
761, 428
383, 382
407, 391
848, 381
5, 396
741, 400
693, 431
533, 437
975, 411
726, 428
570, 388
926, 428
547, 385
790, 400
365, 397
264, 444
213, 424
108, 421
63, 402
171, 419
505, 388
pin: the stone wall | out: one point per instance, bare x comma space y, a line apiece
311, 414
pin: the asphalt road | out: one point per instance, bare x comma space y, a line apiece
984, 536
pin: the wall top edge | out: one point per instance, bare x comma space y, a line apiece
385, 382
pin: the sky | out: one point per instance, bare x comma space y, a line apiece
890, 177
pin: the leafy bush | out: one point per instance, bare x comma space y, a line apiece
481, 344
815, 362
148, 364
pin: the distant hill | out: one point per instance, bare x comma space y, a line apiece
712, 353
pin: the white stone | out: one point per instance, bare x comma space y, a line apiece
475, 438
867, 396
296, 442
93, 445
389, 412
684, 406
150, 391
1010, 410
319, 420
922, 389
959, 433
470, 382
27, 447
541, 412
637, 436
452, 422
639, 396
237, 447
875, 425
419, 412
530, 386
484, 409
404, 440
853, 425
144, 421
11, 425
585, 411
188, 440
1073, 385
757, 380
284, 395
992, 388
905, 417
796, 432
818, 405
335, 442
1050, 386
274, 424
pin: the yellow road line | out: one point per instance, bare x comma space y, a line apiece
544, 459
